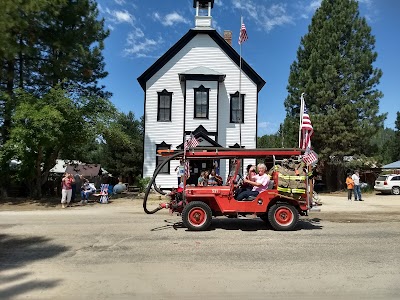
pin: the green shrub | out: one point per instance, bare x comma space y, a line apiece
143, 183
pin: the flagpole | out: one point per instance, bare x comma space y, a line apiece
240, 87
301, 116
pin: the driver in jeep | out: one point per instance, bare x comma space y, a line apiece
259, 183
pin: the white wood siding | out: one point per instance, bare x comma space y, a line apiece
200, 51
211, 123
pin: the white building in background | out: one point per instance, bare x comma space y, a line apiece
194, 88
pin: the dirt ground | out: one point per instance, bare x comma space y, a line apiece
346, 250
334, 206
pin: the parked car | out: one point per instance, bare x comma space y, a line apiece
388, 184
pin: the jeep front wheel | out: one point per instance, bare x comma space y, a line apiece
196, 216
283, 216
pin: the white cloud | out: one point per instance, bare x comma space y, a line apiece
140, 46
268, 17
367, 2
123, 16
118, 16
170, 19
120, 2
219, 3
216, 26
314, 4
100, 8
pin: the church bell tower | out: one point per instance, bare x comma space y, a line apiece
203, 13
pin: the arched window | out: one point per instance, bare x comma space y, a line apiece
237, 108
160, 159
201, 100
164, 106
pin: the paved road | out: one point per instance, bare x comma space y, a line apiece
115, 251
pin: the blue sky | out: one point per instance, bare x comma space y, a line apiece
142, 31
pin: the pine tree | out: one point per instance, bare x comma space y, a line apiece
335, 69
47, 45
71, 43
395, 143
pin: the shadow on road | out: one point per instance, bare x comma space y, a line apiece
16, 252
18, 201
309, 224
242, 224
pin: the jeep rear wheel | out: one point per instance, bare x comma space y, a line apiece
396, 190
196, 216
283, 216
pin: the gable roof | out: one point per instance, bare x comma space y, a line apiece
201, 133
393, 165
201, 72
86, 170
219, 40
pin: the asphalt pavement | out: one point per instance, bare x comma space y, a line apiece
349, 250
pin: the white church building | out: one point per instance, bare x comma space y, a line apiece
194, 88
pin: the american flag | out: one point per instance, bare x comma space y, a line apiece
243, 34
306, 130
191, 142
310, 157
187, 169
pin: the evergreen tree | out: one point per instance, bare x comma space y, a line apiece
46, 45
383, 140
395, 144
123, 155
43, 127
19, 22
71, 43
271, 140
335, 69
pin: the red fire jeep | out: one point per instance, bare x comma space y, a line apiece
199, 204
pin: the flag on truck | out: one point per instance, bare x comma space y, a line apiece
310, 157
306, 130
191, 142
187, 169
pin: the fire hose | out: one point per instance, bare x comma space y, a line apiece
157, 189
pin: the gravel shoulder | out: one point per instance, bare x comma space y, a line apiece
334, 206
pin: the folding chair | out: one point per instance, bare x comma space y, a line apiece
103, 193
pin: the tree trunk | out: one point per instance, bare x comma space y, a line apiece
8, 105
5, 129
36, 188
334, 177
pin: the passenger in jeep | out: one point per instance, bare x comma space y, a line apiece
259, 183
251, 172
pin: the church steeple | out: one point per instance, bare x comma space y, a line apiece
203, 13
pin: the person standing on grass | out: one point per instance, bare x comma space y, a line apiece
357, 187
350, 186
66, 189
